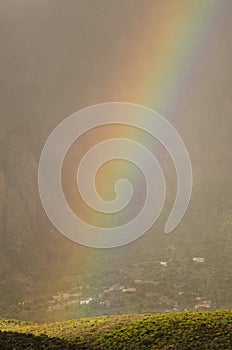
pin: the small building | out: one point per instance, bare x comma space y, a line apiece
129, 290
199, 260
86, 301
105, 302
203, 305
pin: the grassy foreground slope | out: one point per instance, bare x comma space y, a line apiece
188, 330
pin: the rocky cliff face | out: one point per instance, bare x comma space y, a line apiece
29, 245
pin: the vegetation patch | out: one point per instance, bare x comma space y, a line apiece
187, 330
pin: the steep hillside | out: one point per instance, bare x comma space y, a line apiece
171, 331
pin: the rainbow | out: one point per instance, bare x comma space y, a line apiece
173, 37
169, 37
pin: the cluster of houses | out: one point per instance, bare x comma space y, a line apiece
106, 302
86, 301
66, 299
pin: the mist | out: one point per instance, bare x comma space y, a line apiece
58, 57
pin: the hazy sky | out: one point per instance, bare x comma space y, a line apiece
59, 56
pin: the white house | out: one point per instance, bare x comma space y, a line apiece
200, 260
86, 301
129, 290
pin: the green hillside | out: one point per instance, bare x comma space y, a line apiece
188, 330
